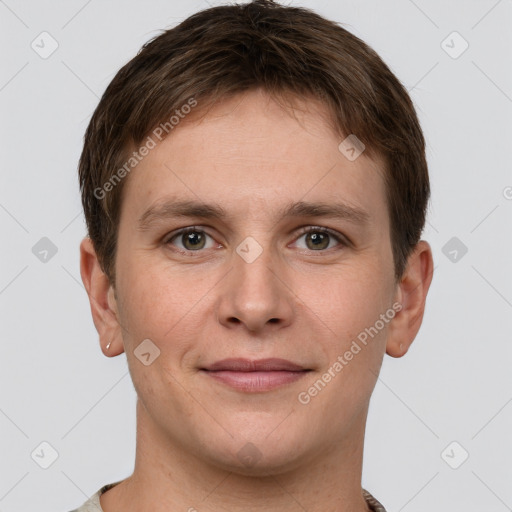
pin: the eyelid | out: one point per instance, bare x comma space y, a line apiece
181, 231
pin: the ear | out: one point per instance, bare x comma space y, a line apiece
102, 300
411, 293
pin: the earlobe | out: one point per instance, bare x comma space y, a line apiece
112, 347
101, 299
411, 294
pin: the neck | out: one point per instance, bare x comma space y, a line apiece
166, 477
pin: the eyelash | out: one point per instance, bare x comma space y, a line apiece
308, 229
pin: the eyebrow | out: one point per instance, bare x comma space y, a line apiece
196, 209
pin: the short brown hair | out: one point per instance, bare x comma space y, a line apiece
230, 49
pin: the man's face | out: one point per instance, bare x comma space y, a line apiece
253, 285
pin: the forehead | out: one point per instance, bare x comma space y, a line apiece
252, 153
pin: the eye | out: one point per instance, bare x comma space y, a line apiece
318, 238
191, 239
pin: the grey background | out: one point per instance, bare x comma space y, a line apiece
455, 383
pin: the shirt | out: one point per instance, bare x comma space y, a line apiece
93, 503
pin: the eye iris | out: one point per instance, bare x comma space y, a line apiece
319, 240
193, 240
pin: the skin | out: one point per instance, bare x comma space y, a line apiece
253, 156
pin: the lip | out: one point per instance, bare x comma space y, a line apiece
241, 364
255, 375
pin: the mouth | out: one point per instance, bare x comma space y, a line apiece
255, 376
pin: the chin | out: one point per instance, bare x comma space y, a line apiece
258, 455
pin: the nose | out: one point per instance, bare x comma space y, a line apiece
255, 295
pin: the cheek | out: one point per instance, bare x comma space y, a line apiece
348, 311
348, 305
156, 306
346, 299
156, 302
